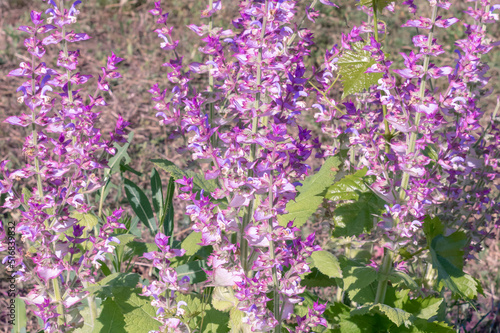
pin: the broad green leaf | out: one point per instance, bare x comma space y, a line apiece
357, 283
397, 316
327, 264
88, 323
398, 277
138, 313
309, 195
348, 188
26, 193
317, 279
352, 66
104, 287
447, 254
111, 319
141, 206
121, 154
20, 316
424, 326
87, 220
191, 243
157, 193
215, 322
424, 308
223, 299
104, 268
193, 270
236, 321
199, 181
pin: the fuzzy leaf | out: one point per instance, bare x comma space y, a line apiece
352, 66
20, 316
357, 283
111, 319
138, 313
309, 195
327, 264
397, 316
223, 299
141, 206
121, 154
348, 188
104, 287
194, 270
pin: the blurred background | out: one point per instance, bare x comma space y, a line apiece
126, 28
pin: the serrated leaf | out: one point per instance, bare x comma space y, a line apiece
138, 313
236, 321
348, 188
327, 264
141, 206
157, 190
447, 258
397, 316
191, 243
352, 67
353, 219
199, 181
424, 308
87, 220
223, 299
20, 316
309, 195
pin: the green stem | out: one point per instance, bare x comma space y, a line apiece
92, 305
253, 147
388, 255
277, 313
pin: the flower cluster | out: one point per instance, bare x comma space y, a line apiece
64, 153
425, 145
245, 125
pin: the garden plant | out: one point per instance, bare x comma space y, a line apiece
393, 149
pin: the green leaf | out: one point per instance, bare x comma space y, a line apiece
327, 264
353, 219
167, 220
309, 195
88, 323
381, 4
349, 187
398, 277
317, 279
20, 316
447, 254
194, 270
223, 299
138, 313
87, 220
104, 268
358, 283
236, 321
104, 287
216, 322
199, 181
141, 206
352, 66
424, 308
156, 187
397, 316
191, 243
111, 319
139, 248
121, 154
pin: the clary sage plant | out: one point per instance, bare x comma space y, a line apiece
408, 161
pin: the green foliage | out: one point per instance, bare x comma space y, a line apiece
397, 316
194, 270
326, 263
191, 243
359, 283
199, 181
157, 190
20, 319
140, 204
223, 299
167, 218
104, 288
120, 157
352, 66
309, 195
87, 220
379, 4
354, 218
126, 312
447, 254
317, 279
